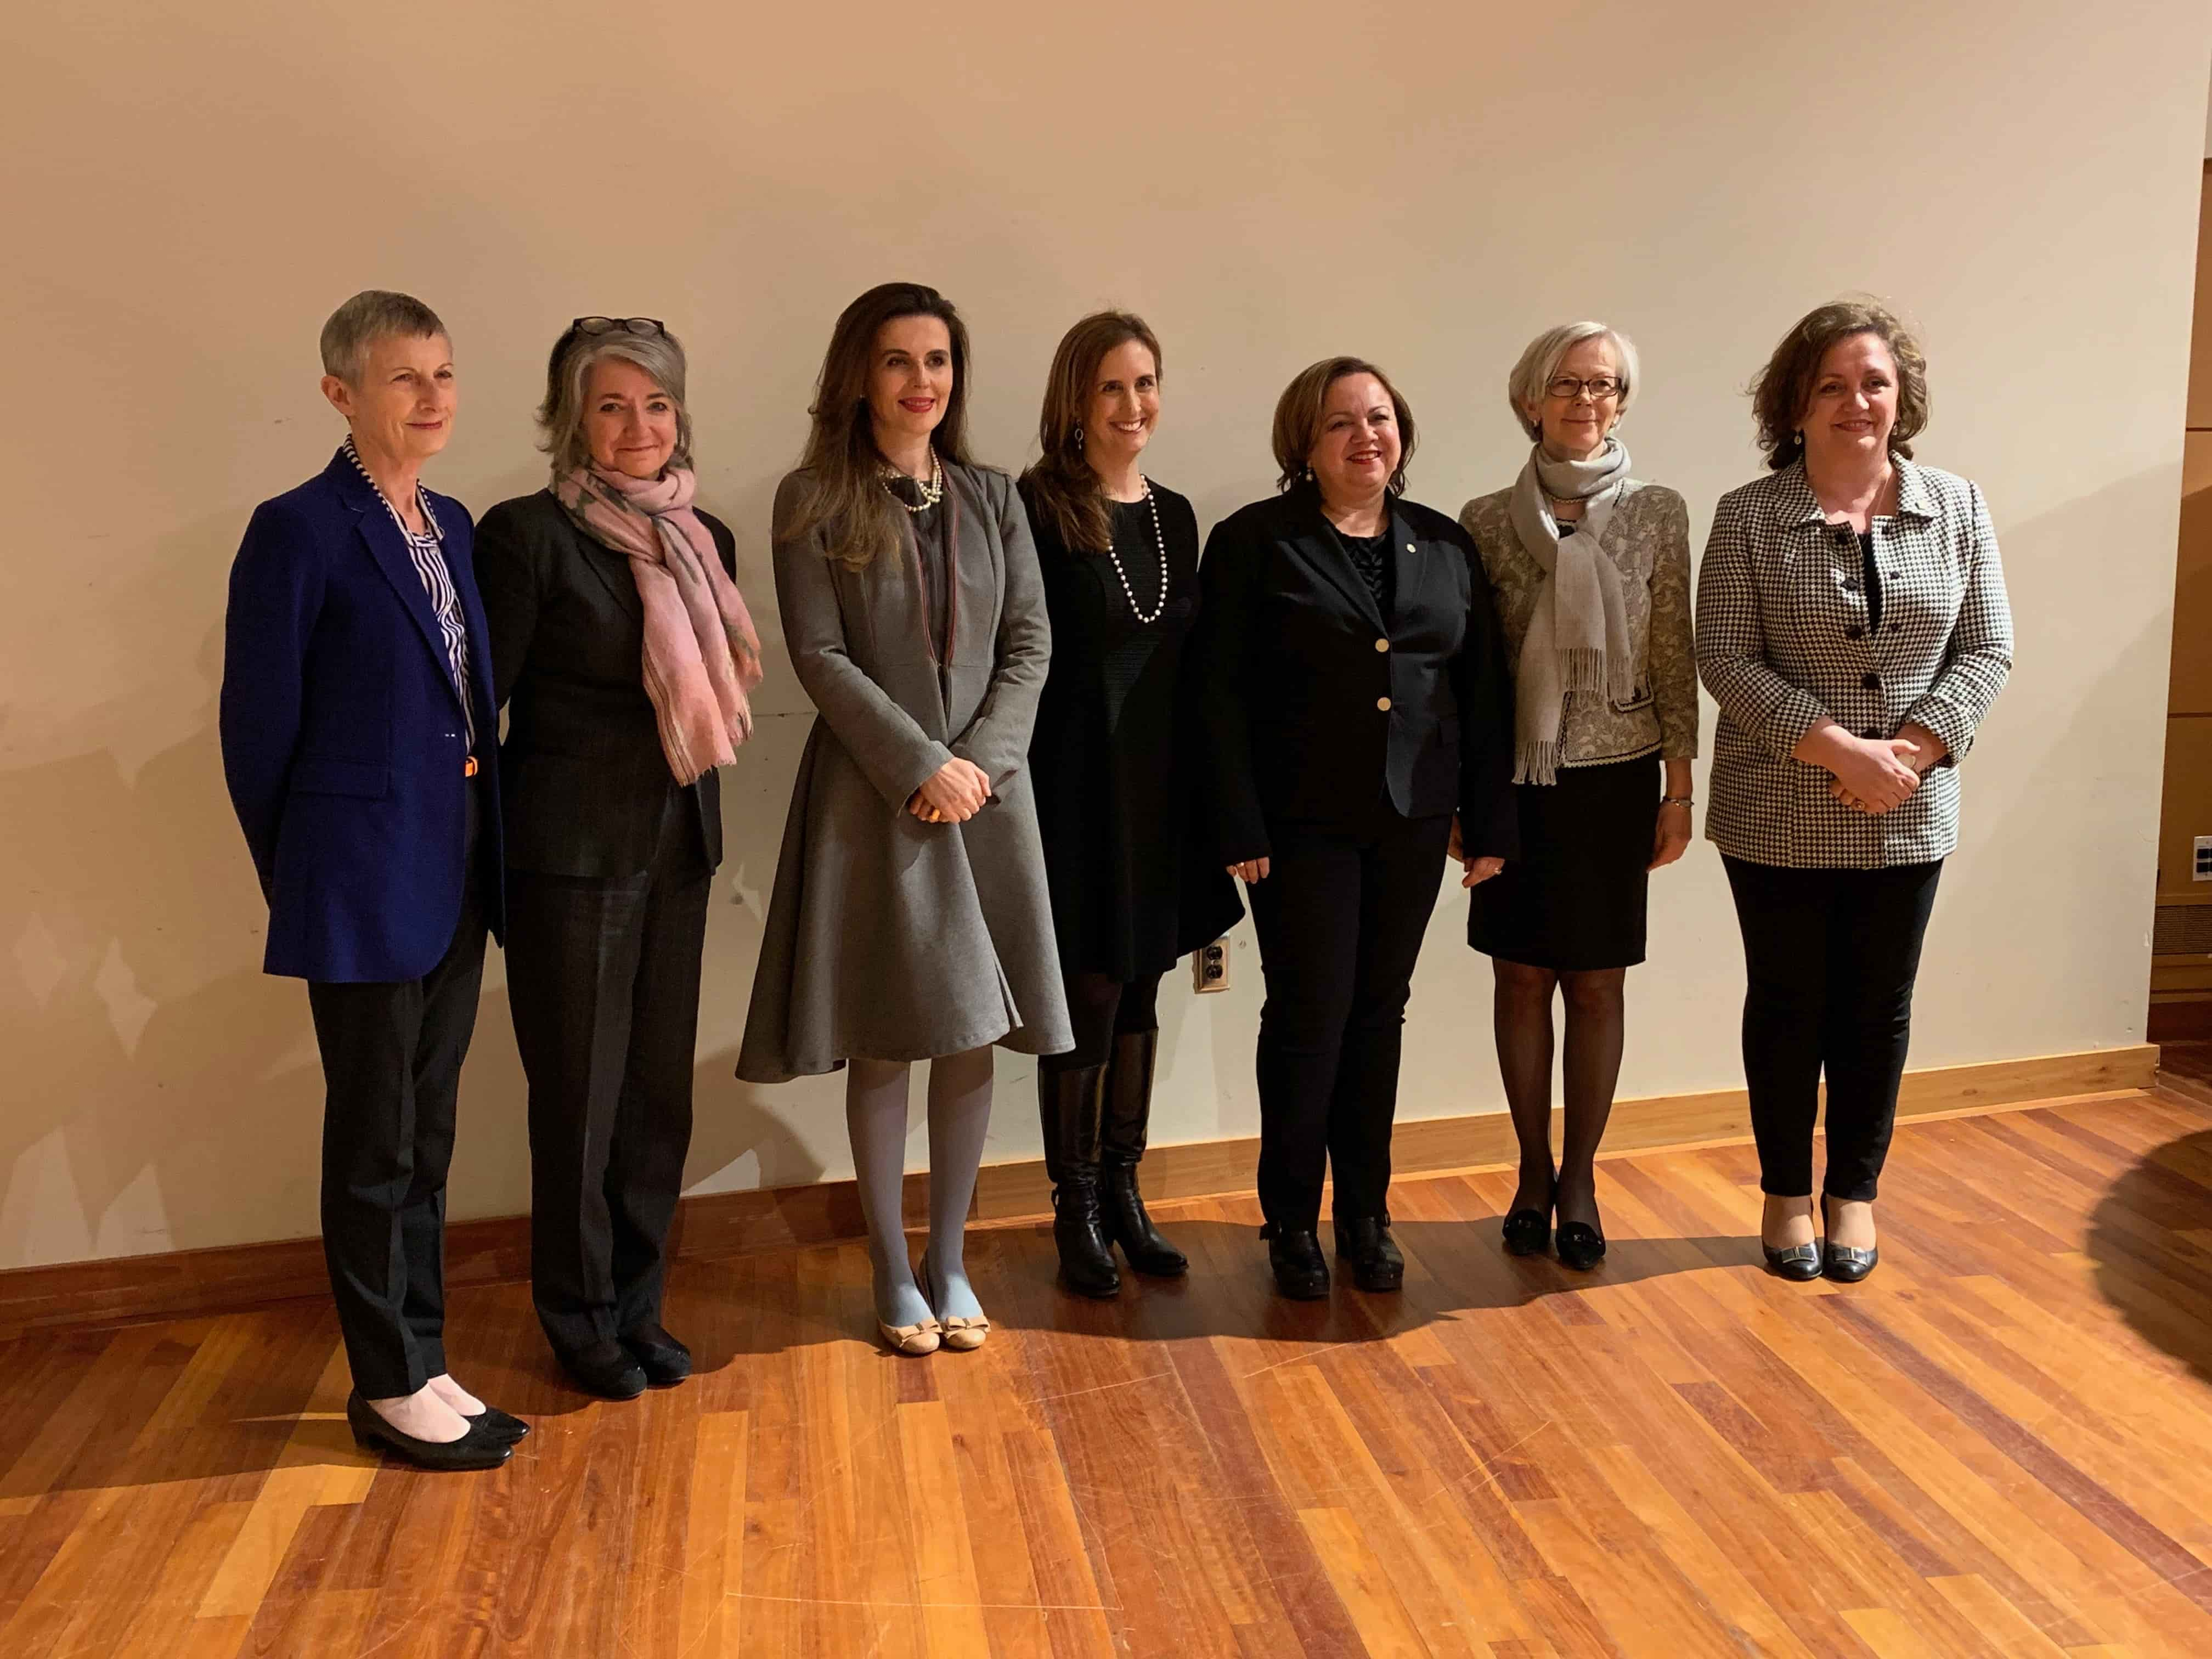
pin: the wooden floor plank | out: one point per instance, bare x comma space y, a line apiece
1994, 1447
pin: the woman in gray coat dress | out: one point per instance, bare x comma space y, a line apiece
910, 919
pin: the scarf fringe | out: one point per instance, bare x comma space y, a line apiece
1536, 760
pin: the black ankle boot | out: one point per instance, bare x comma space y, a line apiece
1365, 1242
1128, 1115
1300, 1269
1069, 1102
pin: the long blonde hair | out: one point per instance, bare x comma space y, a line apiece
1064, 488
848, 499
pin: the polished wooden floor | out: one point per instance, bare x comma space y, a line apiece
2001, 1445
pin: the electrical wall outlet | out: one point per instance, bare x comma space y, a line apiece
1209, 968
2200, 870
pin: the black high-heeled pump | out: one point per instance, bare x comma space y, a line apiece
1798, 1263
474, 1450
1581, 1246
1528, 1231
1846, 1264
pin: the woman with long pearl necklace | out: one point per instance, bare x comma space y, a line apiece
1120, 557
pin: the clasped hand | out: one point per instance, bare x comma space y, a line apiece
1876, 775
953, 793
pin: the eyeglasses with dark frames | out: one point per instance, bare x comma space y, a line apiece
619, 325
1569, 387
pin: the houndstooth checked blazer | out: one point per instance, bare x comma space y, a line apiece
1782, 644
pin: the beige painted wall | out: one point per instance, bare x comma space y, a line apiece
190, 192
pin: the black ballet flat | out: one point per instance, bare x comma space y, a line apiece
1528, 1232
1846, 1264
1300, 1269
473, 1450
1798, 1263
1377, 1262
604, 1368
495, 1425
664, 1361
1581, 1246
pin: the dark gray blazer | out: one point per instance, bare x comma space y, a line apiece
586, 780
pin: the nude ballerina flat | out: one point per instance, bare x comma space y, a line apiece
912, 1340
961, 1334
964, 1335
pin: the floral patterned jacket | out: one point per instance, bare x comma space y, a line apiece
1648, 537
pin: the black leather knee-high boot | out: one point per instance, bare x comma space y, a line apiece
1122, 1147
1069, 1103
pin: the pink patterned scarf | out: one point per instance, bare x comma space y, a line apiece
701, 655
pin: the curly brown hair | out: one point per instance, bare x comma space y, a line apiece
1782, 391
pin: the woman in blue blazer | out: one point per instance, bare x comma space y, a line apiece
358, 736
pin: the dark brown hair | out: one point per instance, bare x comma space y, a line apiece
848, 498
1298, 412
1062, 483
1782, 391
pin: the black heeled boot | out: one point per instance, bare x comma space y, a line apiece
1070, 1100
1128, 1115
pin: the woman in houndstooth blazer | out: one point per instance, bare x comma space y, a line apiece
1852, 625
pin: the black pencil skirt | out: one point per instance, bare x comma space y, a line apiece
1574, 901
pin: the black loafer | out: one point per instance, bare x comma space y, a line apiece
664, 1361
473, 1450
1799, 1263
1847, 1265
1528, 1232
495, 1424
1365, 1242
1581, 1246
604, 1368
1301, 1272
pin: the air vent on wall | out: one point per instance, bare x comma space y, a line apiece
2182, 930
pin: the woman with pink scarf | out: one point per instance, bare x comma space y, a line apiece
624, 654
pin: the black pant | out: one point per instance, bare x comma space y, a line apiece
392, 1072
1829, 956
1340, 918
1101, 1008
604, 979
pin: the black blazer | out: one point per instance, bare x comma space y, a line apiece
1315, 707
585, 777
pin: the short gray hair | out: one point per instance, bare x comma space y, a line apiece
1541, 362
369, 317
561, 416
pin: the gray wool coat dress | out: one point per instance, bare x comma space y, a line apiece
890, 938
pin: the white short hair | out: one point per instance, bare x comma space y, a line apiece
1541, 362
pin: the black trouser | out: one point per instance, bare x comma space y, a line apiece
603, 978
1829, 956
1340, 918
392, 1072
1101, 1008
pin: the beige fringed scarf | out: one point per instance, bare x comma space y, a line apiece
1577, 639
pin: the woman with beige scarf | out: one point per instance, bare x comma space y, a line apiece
624, 656
1591, 568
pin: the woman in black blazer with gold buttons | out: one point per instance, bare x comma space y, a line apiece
1355, 699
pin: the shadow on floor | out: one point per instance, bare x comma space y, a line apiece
2137, 1238
236, 1396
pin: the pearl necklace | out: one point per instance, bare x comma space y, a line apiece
932, 488
1160, 541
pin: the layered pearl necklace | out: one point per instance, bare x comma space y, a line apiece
1160, 541
932, 488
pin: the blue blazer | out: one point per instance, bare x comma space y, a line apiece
344, 741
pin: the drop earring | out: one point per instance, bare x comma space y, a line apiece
1079, 435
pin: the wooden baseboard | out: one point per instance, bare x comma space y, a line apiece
184, 1283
